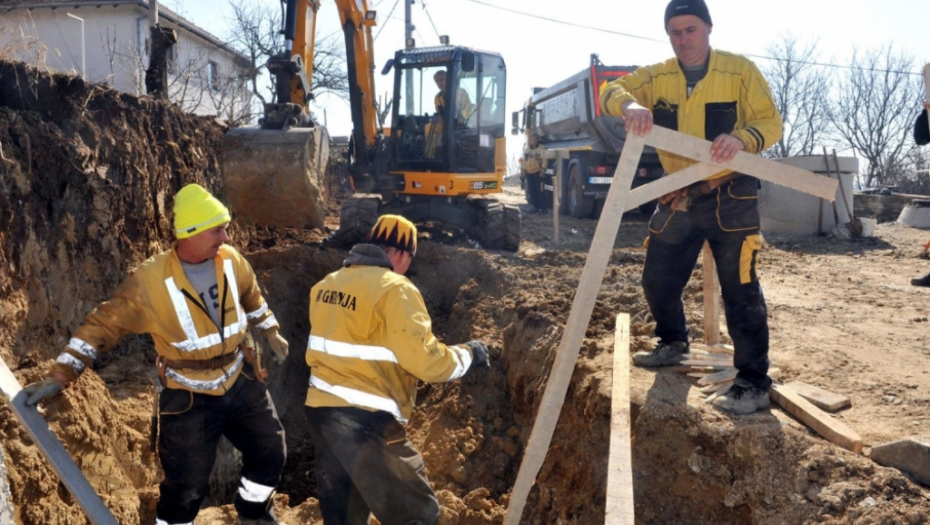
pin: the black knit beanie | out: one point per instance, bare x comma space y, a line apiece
687, 7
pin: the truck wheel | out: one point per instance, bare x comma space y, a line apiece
499, 225
579, 205
357, 216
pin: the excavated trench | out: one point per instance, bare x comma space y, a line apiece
86, 180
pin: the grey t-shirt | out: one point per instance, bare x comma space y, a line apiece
694, 74
203, 277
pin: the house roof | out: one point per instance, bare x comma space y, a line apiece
163, 12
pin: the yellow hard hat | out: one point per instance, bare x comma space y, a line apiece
196, 210
394, 231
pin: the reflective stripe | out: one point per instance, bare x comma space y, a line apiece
255, 492
70, 360
463, 360
267, 323
181, 308
340, 349
258, 313
163, 522
204, 386
82, 348
359, 398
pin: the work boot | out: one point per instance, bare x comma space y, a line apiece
921, 281
665, 354
743, 399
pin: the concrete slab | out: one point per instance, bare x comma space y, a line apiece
791, 212
911, 456
916, 214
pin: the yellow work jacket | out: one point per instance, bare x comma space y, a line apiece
153, 301
533, 160
370, 340
732, 98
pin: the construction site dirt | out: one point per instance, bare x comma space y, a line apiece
87, 178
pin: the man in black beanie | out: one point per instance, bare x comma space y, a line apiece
726, 101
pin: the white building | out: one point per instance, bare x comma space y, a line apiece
107, 42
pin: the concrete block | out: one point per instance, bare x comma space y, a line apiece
911, 456
916, 214
791, 212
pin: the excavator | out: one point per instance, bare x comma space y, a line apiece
441, 159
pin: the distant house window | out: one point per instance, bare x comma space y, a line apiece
213, 76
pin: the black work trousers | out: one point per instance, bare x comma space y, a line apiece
728, 219
191, 426
534, 192
364, 463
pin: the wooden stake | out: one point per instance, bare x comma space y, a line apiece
819, 397
821, 422
620, 461
560, 377
6, 499
711, 301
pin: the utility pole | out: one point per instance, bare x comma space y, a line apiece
408, 39
161, 40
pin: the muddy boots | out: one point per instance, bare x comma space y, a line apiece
741, 399
665, 354
921, 281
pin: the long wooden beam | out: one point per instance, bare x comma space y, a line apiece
775, 172
620, 460
52, 449
832, 429
669, 183
560, 377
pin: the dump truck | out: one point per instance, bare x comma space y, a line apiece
567, 116
441, 159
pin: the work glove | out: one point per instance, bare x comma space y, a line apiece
279, 348
44, 389
479, 353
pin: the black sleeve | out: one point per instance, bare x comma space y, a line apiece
921, 130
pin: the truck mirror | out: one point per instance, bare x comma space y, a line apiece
468, 62
387, 66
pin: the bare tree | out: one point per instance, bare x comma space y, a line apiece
801, 90
875, 108
256, 32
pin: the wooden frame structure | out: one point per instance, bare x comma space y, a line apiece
620, 198
52, 449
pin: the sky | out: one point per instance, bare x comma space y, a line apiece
545, 41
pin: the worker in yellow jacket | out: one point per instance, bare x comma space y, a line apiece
370, 341
720, 97
197, 301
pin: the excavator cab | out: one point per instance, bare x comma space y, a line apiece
445, 150
454, 85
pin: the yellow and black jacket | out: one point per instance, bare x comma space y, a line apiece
533, 161
371, 338
732, 98
158, 299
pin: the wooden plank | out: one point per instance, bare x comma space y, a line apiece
714, 349
52, 449
6, 499
699, 374
620, 460
711, 298
748, 163
720, 365
556, 193
718, 377
823, 399
670, 183
818, 420
580, 314
721, 389
710, 389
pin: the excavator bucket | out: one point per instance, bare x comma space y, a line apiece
275, 178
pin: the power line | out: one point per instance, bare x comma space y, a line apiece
430, 19
640, 37
389, 16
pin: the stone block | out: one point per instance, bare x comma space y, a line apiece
911, 456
